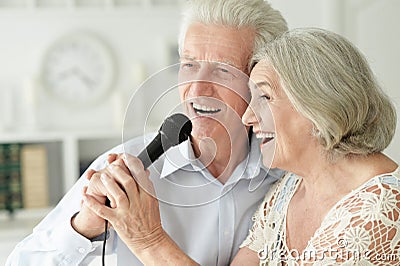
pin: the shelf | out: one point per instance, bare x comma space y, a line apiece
37, 136
70, 146
23, 214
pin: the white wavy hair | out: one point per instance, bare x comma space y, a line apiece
267, 22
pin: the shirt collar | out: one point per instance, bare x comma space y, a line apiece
177, 157
182, 155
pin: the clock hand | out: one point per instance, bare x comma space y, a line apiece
66, 73
85, 78
75, 73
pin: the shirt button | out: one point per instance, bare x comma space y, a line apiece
81, 250
226, 233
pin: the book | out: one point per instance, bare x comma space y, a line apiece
34, 172
10, 177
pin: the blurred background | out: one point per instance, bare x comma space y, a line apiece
104, 50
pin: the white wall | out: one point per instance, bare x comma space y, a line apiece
137, 38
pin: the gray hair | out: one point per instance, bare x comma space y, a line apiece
267, 22
329, 81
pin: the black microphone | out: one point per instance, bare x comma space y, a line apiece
174, 130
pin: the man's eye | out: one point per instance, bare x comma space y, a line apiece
224, 73
266, 97
188, 65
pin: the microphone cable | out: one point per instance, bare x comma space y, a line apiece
104, 243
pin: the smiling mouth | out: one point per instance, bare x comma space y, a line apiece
265, 137
204, 110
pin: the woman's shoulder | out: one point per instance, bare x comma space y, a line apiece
389, 182
366, 216
376, 192
390, 179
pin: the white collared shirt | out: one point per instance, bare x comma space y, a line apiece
207, 219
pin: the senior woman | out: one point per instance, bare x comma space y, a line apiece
323, 117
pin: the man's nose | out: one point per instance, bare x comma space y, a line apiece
201, 88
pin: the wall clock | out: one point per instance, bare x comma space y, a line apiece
78, 69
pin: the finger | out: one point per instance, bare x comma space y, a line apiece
84, 190
96, 188
121, 163
133, 163
101, 189
139, 173
112, 157
112, 201
114, 192
90, 173
127, 182
99, 209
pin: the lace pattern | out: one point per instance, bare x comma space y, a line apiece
363, 228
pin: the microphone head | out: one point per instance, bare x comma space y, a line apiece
175, 129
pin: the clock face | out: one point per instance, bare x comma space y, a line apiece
78, 69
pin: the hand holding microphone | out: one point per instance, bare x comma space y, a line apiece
135, 214
174, 130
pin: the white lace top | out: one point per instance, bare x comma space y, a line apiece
363, 228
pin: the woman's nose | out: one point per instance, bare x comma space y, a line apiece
249, 118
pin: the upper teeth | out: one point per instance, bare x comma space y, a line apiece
204, 108
265, 135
